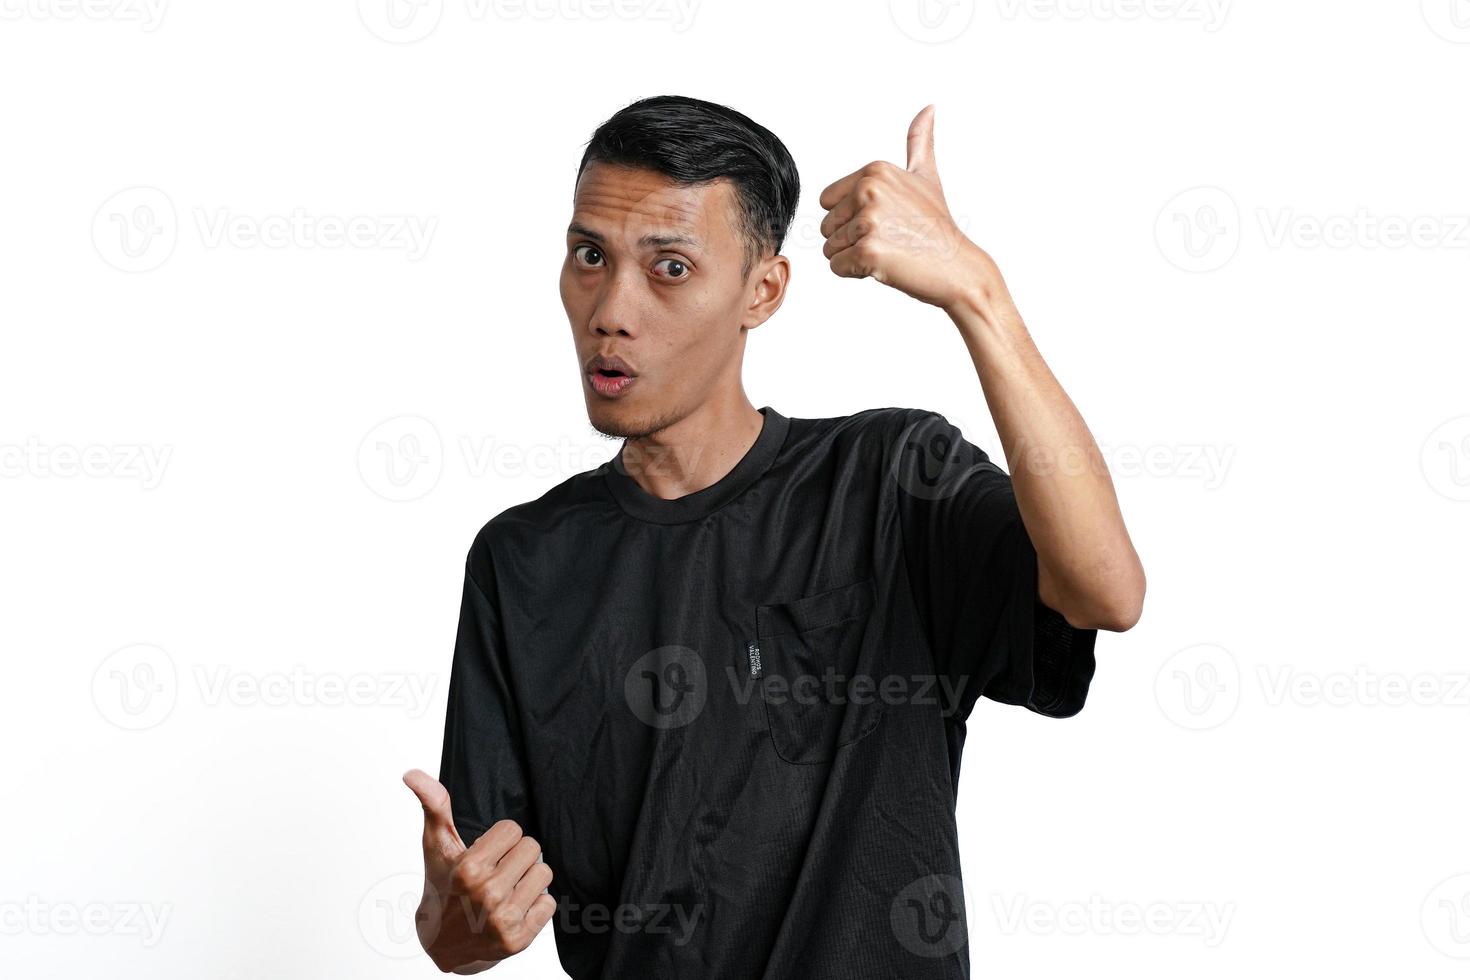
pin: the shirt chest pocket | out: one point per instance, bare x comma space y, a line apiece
814, 657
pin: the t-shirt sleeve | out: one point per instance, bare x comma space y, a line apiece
483, 765
972, 568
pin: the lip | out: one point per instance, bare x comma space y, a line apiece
610, 362
610, 385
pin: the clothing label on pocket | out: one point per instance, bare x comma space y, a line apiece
753, 654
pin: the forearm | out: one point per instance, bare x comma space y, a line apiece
1087, 567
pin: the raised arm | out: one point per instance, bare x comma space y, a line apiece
892, 224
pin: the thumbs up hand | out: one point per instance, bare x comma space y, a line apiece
892, 224
481, 903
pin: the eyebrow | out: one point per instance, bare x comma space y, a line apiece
647, 241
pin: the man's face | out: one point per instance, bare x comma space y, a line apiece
652, 285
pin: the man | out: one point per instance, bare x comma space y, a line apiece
708, 700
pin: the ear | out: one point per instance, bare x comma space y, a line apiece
767, 288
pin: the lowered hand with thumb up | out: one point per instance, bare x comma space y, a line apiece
481, 903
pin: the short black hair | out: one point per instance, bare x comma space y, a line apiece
692, 141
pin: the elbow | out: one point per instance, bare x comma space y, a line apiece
1122, 615
1126, 606
1116, 606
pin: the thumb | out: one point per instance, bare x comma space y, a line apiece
440, 837
921, 143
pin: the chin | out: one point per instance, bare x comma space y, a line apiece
621, 421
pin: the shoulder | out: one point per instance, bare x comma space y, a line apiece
868, 430
918, 452
515, 532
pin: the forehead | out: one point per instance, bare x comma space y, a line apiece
636, 203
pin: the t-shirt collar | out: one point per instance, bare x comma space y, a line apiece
692, 506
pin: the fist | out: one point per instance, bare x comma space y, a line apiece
481, 903
892, 224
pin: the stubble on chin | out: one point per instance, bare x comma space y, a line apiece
637, 427
651, 459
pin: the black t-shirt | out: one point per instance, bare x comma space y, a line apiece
733, 720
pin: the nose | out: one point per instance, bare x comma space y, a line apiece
617, 309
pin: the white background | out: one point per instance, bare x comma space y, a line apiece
212, 411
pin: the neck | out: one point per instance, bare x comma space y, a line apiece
696, 451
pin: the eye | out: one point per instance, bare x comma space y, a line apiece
589, 255
673, 269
